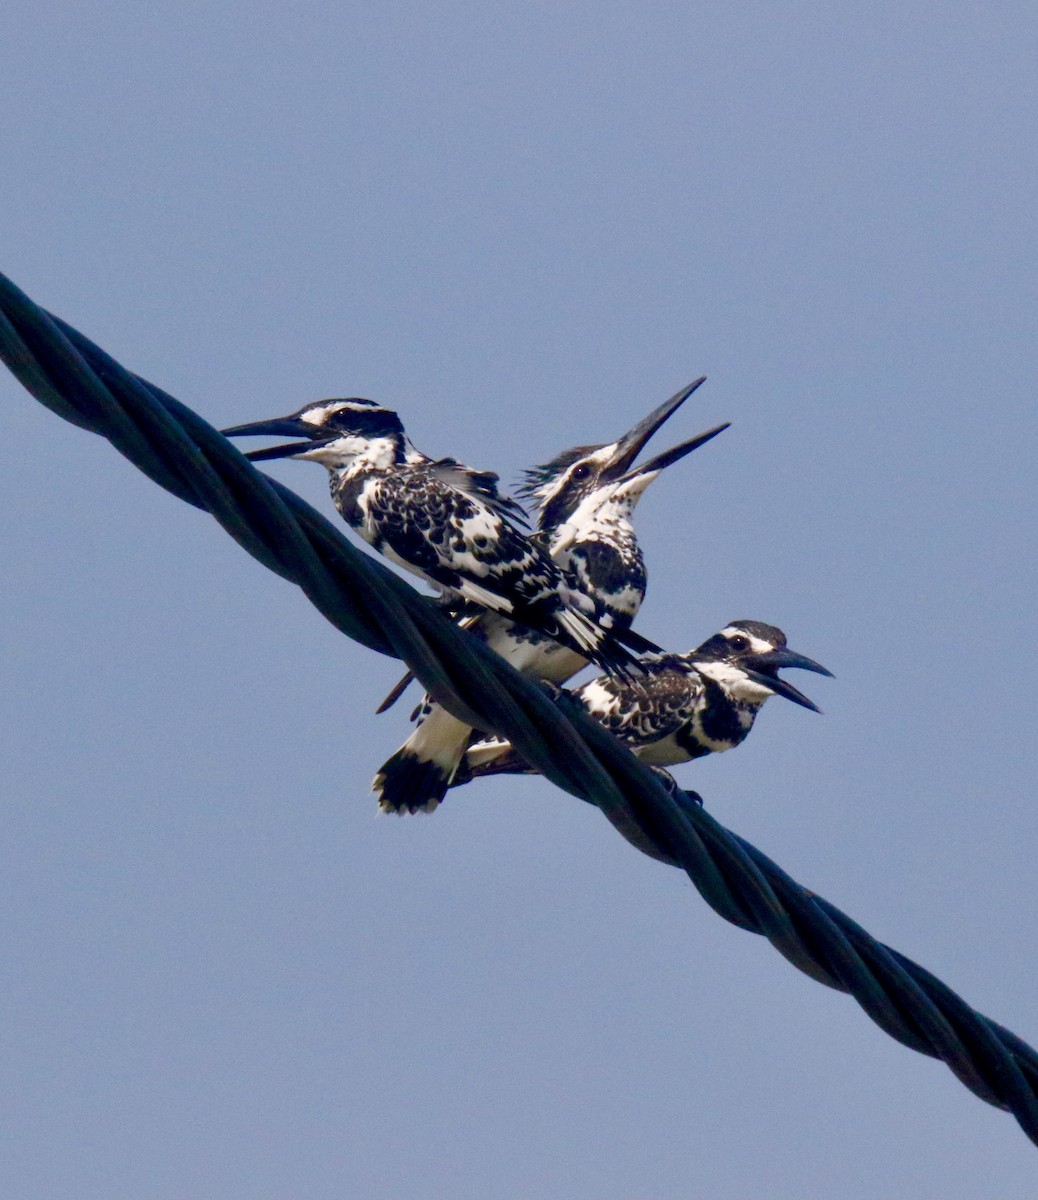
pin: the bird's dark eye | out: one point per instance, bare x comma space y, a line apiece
739, 642
580, 472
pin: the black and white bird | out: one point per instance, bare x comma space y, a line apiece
585, 501
439, 519
685, 706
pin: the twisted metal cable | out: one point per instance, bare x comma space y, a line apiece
185, 455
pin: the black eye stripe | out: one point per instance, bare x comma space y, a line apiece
379, 422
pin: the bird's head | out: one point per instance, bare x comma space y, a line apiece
587, 478
745, 659
333, 433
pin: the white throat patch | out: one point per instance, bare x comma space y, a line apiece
735, 682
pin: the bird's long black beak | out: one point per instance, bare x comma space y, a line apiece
657, 464
764, 669
633, 441
278, 427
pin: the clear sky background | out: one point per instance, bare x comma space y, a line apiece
523, 226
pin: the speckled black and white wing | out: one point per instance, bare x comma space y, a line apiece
481, 484
455, 539
654, 718
656, 709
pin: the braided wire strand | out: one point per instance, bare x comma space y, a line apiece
185, 455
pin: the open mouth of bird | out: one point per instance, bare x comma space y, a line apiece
764, 669
311, 436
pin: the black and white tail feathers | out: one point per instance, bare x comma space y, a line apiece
407, 783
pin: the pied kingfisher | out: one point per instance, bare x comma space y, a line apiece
439, 519
685, 705
585, 504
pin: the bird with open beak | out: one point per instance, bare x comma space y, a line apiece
440, 520
685, 706
585, 501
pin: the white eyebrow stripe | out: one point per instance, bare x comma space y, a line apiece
757, 645
318, 414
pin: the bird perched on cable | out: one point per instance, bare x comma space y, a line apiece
585, 501
439, 519
685, 705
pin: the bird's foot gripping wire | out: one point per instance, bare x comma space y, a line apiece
682, 795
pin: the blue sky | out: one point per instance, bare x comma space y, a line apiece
522, 227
